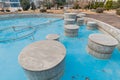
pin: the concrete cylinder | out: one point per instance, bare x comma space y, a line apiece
80, 15
53, 37
43, 60
101, 45
70, 16
92, 25
71, 30
69, 21
80, 21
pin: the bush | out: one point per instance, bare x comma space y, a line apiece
95, 5
115, 5
7, 10
108, 5
48, 5
61, 7
118, 11
2, 10
99, 10
19, 10
25, 4
43, 10
33, 7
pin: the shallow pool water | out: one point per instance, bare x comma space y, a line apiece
79, 64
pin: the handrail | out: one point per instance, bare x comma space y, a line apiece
24, 28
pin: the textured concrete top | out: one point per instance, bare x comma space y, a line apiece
42, 55
52, 36
70, 13
69, 19
91, 22
80, 19
81, 15
103, 39
71, 27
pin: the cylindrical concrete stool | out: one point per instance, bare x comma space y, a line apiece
92, 25
70, 16
101, 45
71, 30
69, 21
53, 37
80, 15
80, 21
43, 60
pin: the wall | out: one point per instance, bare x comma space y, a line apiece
107, 29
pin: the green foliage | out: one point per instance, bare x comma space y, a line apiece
118, 11
48, 5
43, 10
60, 2
25, 4
95, 5
33, 7
115, 5
108, 5
118, 3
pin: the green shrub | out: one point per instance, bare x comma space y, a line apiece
115, 5
19, 10
118, 11
99, 10
95, 5
118, 5
48, 5
33, 7
25, 4
61, 7
43, 10
7, 10
2, 10
108, 5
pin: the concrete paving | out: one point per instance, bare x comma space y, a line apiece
111, 19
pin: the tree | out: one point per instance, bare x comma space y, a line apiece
25, 4
108, 5
33, 7
118, 3
60, 2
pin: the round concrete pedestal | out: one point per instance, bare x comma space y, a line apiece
80, 21
43, 60
53, 37
80, 15
101, 45
71, 30
69, 21
92, 25
70, 16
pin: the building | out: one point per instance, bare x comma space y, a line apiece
10, 4
37, 2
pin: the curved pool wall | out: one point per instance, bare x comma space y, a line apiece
9, 16
107, 29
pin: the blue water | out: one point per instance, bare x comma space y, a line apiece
79, 64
